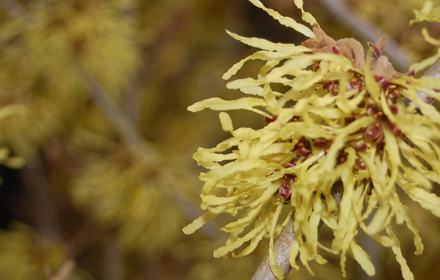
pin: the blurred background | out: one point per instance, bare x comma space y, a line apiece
96, 142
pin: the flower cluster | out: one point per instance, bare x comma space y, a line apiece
346, 124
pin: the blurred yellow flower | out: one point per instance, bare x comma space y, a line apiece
341, 124
25, 255
130, 195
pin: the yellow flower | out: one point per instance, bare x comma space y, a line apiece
341, 124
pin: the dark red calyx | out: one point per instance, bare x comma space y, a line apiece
394, 94
303, 147
382, 81
290, 177
269, 120
302, 141
359, 147
360, 164
328, 85
376, 51
372, 109
354, 83
332, 87
394, 129
349, 120
370, 189
335, 90
289, 164
316, 66
342, 158
372, 131
393, 109
320, 143
294, 119
336, 50
411, 73
380, 115
285, 189
302, 151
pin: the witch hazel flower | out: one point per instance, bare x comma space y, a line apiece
344, 125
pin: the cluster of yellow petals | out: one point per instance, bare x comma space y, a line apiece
336, 128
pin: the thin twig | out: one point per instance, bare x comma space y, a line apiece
368, 31
111, 110
282, 248
283, 243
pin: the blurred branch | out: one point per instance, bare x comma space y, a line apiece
283, 243
166, 34
43, 205
132, 137
368, 31
113, 260
112, 112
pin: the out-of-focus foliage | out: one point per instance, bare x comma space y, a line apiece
23, 255
42, 61
153, 58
